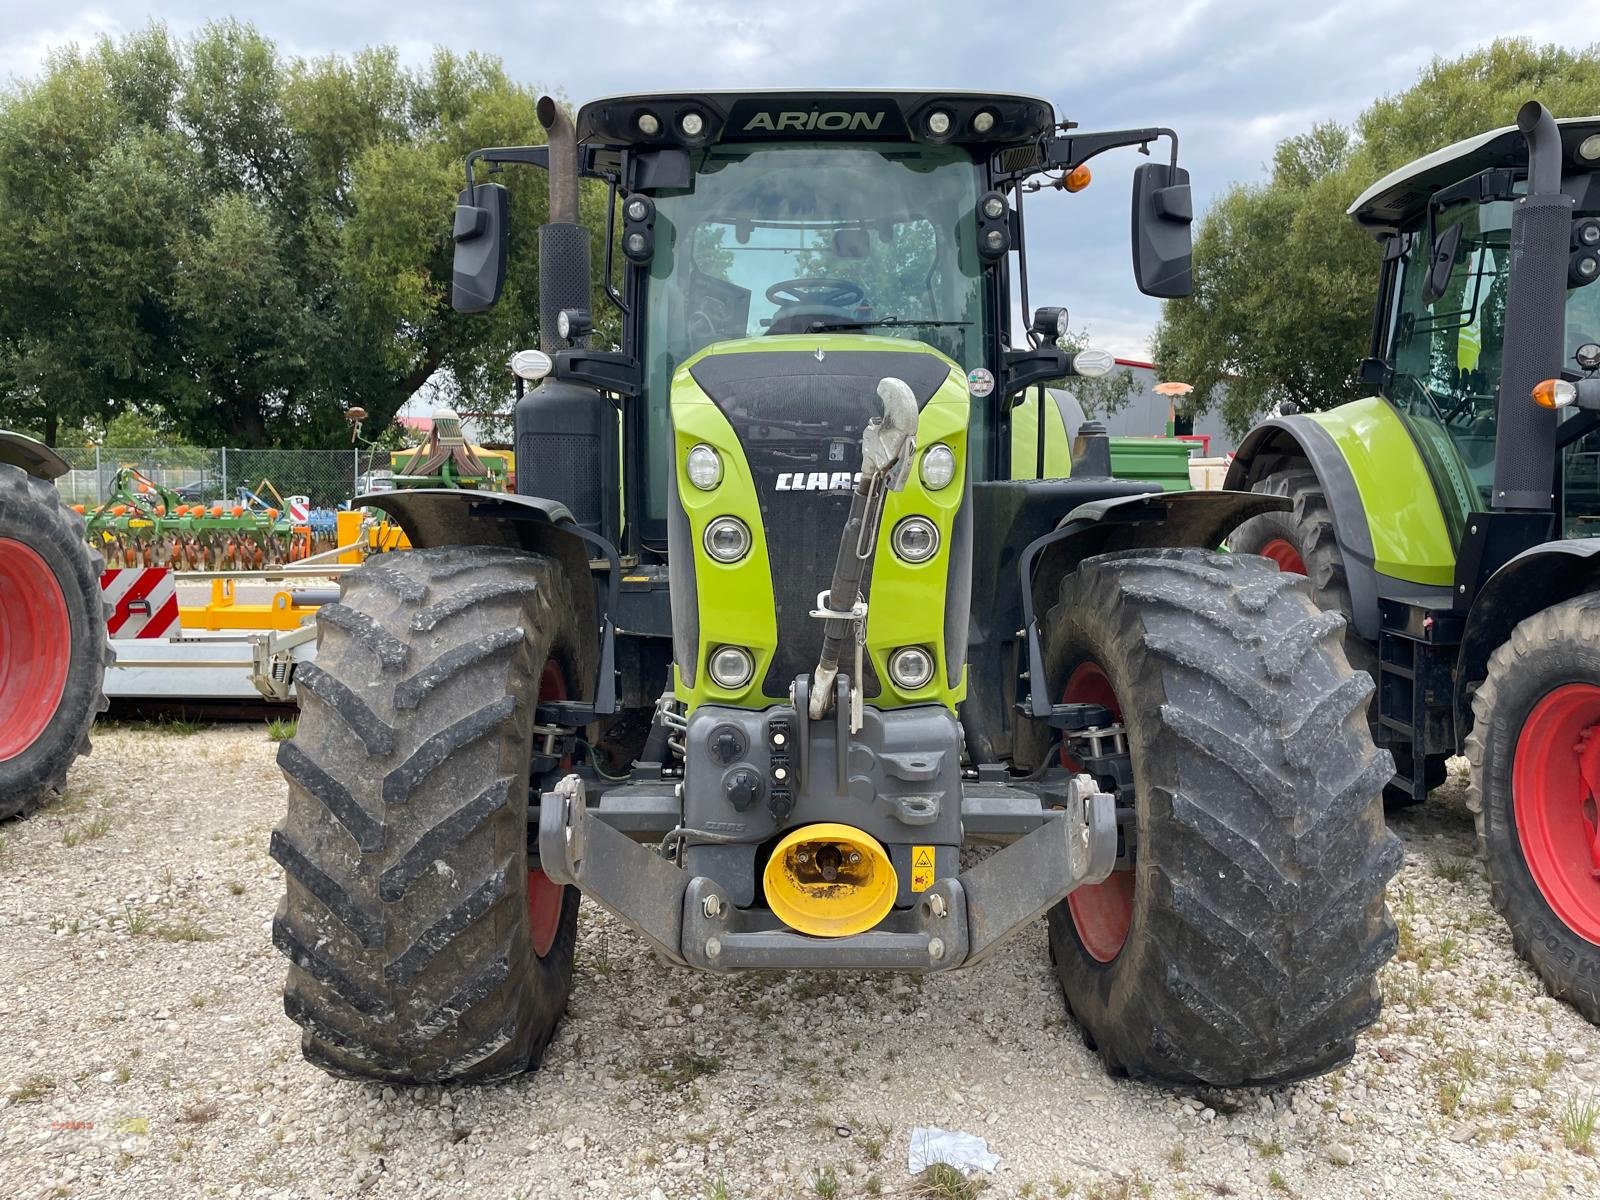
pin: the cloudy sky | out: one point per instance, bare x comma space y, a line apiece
1232, 76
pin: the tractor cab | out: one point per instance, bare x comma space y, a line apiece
1440, 336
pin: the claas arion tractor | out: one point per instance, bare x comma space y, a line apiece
1451, 516
755, 682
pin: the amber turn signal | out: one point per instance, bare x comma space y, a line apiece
1554, 393
1078, 178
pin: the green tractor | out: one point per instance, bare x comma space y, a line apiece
755, 681
53, 644
1451, 518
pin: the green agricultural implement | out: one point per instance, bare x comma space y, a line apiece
53, 645
1452, 516
755, 682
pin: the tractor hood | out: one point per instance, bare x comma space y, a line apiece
786, 414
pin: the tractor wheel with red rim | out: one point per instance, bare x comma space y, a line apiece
1240, 940
425, 943
1303, 541
53, 647
1535, 793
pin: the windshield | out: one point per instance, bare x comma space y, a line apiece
1446, 354
804, 238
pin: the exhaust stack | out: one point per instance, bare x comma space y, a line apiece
563, 242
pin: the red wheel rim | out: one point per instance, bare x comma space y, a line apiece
35, 646
1286, 554
546, 897
1101, 912
1555, 787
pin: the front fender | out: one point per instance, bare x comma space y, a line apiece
1532, 581
32, 456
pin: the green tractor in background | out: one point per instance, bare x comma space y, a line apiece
53, 643
1452, 517
770, 631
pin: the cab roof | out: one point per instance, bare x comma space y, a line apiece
814, 114
1400, 196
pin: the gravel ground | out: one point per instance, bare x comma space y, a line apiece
143, 1051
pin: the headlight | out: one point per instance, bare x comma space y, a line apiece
649, 124
692, 124
915, 539
727, 539
911, 667
938, 466
983, 122
704, 467
731, 667
938, 122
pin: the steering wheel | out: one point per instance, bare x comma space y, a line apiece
813, 290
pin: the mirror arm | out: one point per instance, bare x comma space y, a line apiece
537, 156
1021, 369
604, 369
617, 301
1065, 153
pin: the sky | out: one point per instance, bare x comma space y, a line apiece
1232, 76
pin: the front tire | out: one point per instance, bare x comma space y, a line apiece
424, 944
1303, 541
1242, 947
53, 645
1535, 783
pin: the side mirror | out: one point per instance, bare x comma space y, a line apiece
1443, 257
479, 271
1162, 215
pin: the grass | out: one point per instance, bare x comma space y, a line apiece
1276, 1181
282, 729
33, 1089
683, 1068
941, 1181
139, 920
825, 1184
719, 1191
1578, 1121
1455, 870
176, 726
96, 829
1267, 1149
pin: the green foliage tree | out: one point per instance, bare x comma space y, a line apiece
241, 245
1285, 282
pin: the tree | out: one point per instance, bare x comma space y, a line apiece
243, 244
1285, 282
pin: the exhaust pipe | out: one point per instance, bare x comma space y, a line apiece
563, 242
1535, 324
887, 446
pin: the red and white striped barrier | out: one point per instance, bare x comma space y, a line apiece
144, 602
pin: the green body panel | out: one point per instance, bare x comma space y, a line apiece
1025, 440
1156, 460
1410, 534
906, 602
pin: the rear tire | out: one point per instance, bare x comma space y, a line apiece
1303, 541
421, 945
1533, 800
53, 645
1249, 933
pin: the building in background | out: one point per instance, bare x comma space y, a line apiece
1146, 414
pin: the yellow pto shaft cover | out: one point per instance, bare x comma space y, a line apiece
830, 880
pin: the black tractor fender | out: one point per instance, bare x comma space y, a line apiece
1534, 580
1145, 522
433, 517
32, 456
1283, 441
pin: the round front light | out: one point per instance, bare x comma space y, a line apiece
983, 122
704, 467
938, 122
994, 207
938, 466
731, 667
995, 241
911, 667
915, 539
727, 539
649, 124
1589, 148
638, 208
692, 124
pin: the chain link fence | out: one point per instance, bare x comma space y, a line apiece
329, 478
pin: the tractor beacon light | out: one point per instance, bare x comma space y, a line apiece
1078, 178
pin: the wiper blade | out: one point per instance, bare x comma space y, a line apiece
824, 326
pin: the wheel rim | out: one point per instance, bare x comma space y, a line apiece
1286, 554
1555, 787
1101, 912
35, 646
545, 896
